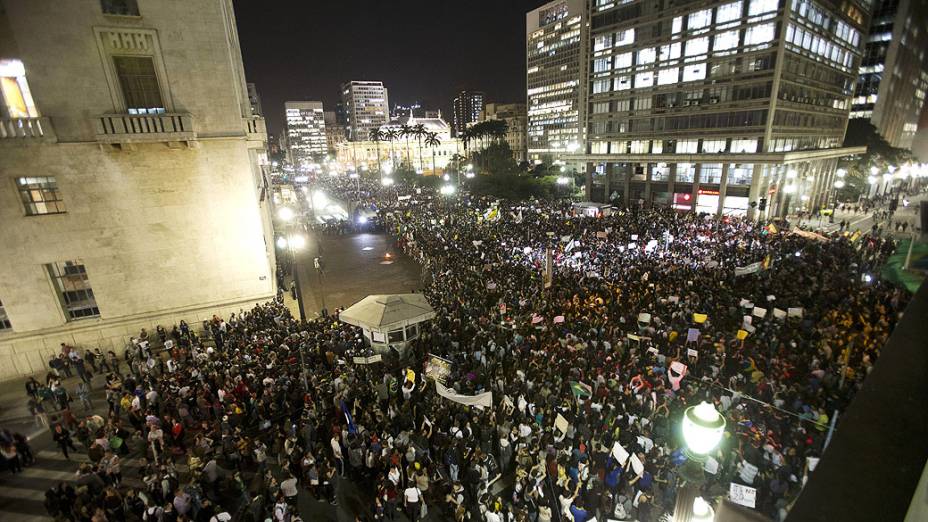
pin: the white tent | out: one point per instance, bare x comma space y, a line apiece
389, 320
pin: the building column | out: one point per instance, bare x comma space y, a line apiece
697, 174
588, 181
756, 192
723, 188
647, 184
671, 181
626, 186
607, 181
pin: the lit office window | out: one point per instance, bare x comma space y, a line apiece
601, 86
600, 107
646, 56
694, 72
713, 146
74, 289
686, 172
4, 319
626, 37
725, 41
687, 146
17, 98
744, 145
711, 173
668, 76
644, 79
603, 41
740, 173
699, 19
639, 147
660, 172
623, 61
697, 46
759, 34
677, 25
40, 195
602, 64
728, 12
669, 52
623, 83
757, 7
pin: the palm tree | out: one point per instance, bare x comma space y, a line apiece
419, 131
406, 131
392, 135
376, 135
432, 141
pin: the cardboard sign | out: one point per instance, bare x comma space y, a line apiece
637, 465
742, 334
537, 319
691, 352
653, 350
742, 495
674, 299
744, 303
771, 298
561, 423
602, 235
367, 360
749, 328
759, 312
779, 314
700, 318
644, 317
675, 374
711, 465
619, 453
558, 319
794, 312
747, 319
692, 335
746, 270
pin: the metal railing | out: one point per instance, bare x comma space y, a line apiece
26, 128
144, 127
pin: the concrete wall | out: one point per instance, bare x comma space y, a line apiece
166, 230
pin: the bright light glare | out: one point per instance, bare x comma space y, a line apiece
841, 173
702, 428
446, 177
362, 220
562, 180
798, 253
839, 184
297, 241
469, 175
285, 213
447, 190
353, 175
789, 189
320, 200
282, 242
386, 182
702, 511
867, 278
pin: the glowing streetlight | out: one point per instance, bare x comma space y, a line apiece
702, 511
353, 175
789, 189
839, 184
841, 173
469, 175
386, 182
447, 190
281, 242
791, 174
703, 427
285, 213
563, 180
871, 179
446, 177
297, 241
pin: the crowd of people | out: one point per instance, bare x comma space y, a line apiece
591, 334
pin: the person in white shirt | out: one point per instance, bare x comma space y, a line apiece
337, 453
411, 498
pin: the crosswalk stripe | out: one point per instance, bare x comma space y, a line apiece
22, 494
78, 458
34, 472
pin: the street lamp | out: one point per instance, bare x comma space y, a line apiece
447, 190
386, 182
703, 427
285, 213
702, 511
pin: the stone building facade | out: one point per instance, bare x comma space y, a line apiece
132, 190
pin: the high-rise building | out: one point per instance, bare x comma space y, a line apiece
514, 116
555, 44
254, 99
466, 109
334, 131
132, 191
726, 107
894, 72
306, 135
367, 107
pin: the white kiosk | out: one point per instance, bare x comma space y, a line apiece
389, 321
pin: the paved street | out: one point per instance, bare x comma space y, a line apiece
355, 266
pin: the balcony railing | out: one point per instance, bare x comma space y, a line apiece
27, 129
144, 128
255, 128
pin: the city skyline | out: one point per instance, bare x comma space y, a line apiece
293, 51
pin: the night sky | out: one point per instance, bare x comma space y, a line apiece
423, 51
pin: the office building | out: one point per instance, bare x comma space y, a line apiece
366, 107
556, 39
894, 71
466, 108
306, 136
335, 132
713, 106
132, 189
514, 116
254, 99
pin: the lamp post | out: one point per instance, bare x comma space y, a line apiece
703, 428
293, 242
357, 179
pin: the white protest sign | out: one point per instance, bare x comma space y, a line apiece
637, 465
771, 297
747, 319
749, 269
743, 495
711, 465
744, 303
619, 453
759, 312
748, 471
691, 352
644, 317
794, 312
674, 299
561, 423
779, 314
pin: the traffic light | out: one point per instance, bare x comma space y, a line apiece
763, 204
